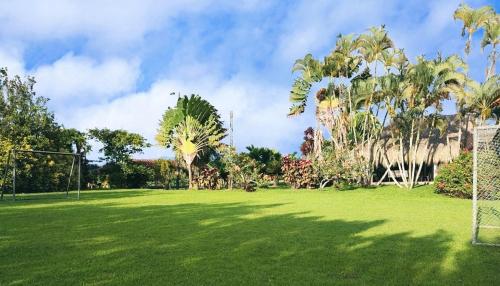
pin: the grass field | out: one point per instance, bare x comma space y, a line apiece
283, 237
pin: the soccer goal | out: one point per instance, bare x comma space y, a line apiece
54, 171
486, 186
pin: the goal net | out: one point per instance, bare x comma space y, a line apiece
486, 186
39, 173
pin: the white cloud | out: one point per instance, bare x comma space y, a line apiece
11, 58
80, 80
256, 122
107, 24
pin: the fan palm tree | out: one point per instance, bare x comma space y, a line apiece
191, 137
193, 128
472, 20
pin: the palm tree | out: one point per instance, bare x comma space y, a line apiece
482, 98
414, 102
491, 37
472, 19
193, 128
372, 47
311, 71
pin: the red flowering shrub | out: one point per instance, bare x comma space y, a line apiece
209, 178
455, 179
299, 173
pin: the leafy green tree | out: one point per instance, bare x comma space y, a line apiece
269, 159
193, 128
26, 123
118, 145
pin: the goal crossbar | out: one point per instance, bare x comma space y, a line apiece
11, 157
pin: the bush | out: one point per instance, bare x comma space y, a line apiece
241, 168
455, 179
209, 178
299, 173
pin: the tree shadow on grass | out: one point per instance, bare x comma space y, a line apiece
49, 198
220, 244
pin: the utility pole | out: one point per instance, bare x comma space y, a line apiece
231, 128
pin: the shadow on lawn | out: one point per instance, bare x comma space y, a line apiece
220, 244
49, 198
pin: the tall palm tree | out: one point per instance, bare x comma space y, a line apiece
491, 37
472, 19
416, 104
372, 47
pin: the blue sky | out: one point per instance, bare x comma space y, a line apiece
104, 64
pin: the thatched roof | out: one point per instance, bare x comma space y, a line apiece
434, 148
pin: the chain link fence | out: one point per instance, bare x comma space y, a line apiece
486, 188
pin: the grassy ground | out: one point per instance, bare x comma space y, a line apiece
283, 237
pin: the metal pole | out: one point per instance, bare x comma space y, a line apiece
231, 128
79, 173
474, 188
14, 176
4, 178
70, 175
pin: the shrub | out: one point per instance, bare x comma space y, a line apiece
299, 173
241, 168
455, 179
209, 178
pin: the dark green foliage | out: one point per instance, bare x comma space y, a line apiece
137, 175
119, 170
269, 159
455, 179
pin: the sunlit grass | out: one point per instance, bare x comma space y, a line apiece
144, 237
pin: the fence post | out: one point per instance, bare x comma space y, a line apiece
474, 187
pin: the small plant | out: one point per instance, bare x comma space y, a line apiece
455, 179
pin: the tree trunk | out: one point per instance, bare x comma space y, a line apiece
493, 56
190, 176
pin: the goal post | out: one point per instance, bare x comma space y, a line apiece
486, 186
11, 164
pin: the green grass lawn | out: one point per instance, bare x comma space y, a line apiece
283, 237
